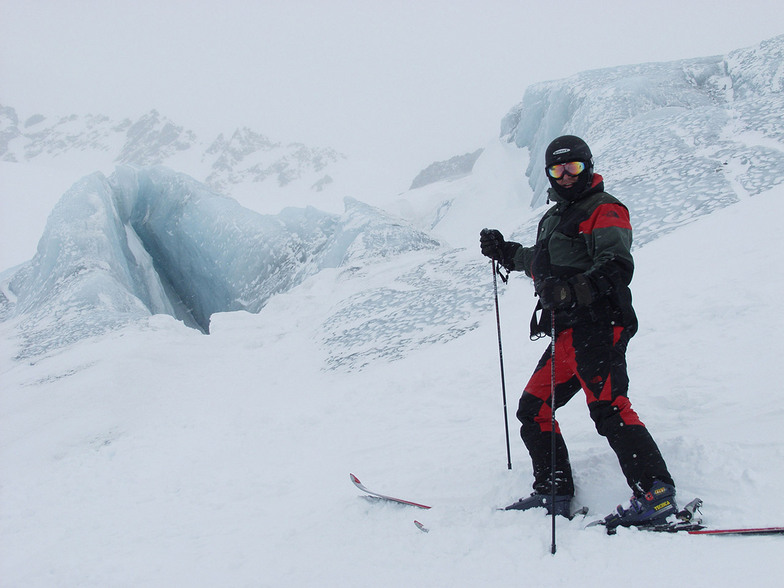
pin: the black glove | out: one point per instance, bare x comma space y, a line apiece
491, 242
493, 246
556, 294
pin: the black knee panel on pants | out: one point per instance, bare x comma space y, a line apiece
528, 408
606, 417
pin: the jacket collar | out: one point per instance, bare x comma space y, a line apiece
597, 185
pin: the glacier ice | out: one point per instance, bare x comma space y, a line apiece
432, 301
674, 140
150, 241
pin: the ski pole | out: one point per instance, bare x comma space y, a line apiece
501, 358
552, 427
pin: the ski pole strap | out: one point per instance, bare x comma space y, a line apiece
537, 330
504, 277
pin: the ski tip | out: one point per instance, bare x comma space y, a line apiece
421, 527
354, 478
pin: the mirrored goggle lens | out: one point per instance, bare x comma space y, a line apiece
573, 168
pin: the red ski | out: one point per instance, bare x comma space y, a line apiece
750, 531
359, 485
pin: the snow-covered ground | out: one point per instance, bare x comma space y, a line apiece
158, 456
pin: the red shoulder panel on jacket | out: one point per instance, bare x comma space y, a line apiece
607, 216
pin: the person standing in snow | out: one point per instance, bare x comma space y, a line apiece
581, 265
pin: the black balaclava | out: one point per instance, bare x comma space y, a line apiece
570, 148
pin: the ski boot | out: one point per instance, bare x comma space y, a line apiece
650, 509
563, 504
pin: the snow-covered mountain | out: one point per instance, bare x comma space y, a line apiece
137, 451
222, 163
453, 168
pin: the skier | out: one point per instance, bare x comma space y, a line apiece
581, 266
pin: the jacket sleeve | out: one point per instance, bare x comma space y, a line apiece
522, 259
608, 236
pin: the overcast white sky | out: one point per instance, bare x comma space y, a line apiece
416, 80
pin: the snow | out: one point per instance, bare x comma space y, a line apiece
154, 455
137, 451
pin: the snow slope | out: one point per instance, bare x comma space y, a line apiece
158, 456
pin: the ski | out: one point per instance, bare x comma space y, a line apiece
749, 531
376, 495
667, 528
687, 521
698, 529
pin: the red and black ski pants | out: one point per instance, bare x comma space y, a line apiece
591, 357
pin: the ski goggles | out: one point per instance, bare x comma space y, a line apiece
572, 168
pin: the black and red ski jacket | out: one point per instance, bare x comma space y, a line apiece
591, 235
